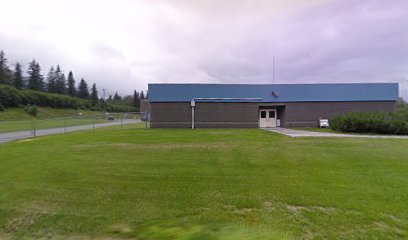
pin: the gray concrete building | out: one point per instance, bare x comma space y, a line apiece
263, 105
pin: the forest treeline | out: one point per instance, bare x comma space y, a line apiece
31, 87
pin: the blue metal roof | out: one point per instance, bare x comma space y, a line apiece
274, 92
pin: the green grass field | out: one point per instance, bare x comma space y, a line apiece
14, 114
203, 184
28, 125
16, 119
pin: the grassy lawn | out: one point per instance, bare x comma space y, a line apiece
28, 125
14, 114
16, 119
329, 130
203, 184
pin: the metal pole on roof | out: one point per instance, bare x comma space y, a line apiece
273, 71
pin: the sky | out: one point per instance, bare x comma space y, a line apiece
123, 45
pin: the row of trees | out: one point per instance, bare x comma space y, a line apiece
56, 82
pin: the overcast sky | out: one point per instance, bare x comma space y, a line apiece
124, 44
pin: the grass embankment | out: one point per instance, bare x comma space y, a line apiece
203, 184
14, 114
17, 119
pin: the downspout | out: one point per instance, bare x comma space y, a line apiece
193, 104
192, 113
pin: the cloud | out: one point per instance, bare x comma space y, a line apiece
123, 45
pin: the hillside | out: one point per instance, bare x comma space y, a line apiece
12, 97
12, 114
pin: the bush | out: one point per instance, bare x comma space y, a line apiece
32, 110
2, 108
11, 97
116, 107
364, 122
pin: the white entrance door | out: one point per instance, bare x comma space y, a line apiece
267, 118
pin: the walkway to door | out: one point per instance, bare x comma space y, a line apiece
301, 133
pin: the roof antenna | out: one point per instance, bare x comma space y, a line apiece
273, 71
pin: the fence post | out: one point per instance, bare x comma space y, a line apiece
34, 128
145, 120
121, 122
65, 125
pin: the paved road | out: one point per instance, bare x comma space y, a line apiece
301, 133
7, 137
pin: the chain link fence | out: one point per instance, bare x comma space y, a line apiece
108, 121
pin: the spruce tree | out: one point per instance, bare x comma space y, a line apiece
83, 91
51, 86
60, 86
18, 79
5, 72
94, 93
116, 97
142, 96
35, 79
71, 90
136, 99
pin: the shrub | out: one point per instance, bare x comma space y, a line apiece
12, 97
117, 107
32, 110
2, 108
364, 122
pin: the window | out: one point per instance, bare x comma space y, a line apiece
263, 114
271, 114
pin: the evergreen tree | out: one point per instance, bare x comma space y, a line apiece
51, 85
83, 91
127, 100
142, 96
18, 77
94, 93
116, 97
35, 79
5, 72
136, 99
71, 90
60, 86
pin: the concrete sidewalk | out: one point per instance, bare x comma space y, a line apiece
7, 137
301, 133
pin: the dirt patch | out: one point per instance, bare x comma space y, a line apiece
394, 218
30, 212
296, 209
27, 140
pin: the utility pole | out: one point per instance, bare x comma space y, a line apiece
104, 90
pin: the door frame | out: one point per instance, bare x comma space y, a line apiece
268, 123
